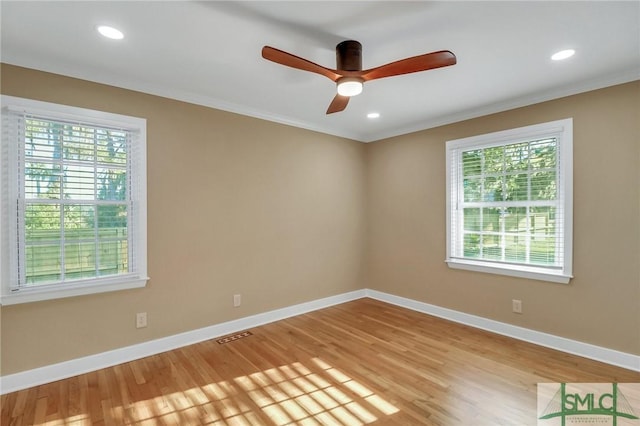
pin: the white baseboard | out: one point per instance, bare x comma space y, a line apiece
74, 367
586, 350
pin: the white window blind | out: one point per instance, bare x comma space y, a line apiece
509, 202
76, 199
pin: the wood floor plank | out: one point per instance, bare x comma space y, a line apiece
360, 363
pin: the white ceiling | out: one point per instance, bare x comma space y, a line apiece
209, 53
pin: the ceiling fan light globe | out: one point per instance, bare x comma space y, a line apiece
349, 87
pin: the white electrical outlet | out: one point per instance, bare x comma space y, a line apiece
516, 306
141, 320
237, 299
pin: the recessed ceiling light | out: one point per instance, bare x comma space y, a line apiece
563, 54
110, 32
373, 115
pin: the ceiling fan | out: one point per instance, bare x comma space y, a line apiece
349, 75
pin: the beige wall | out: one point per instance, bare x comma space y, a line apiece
235, 205
285, 215
601, 305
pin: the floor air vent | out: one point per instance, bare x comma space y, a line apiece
234, 337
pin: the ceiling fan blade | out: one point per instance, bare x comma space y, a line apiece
339, 103
424, 62
293, 61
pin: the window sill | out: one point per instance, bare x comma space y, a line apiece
510, 270
35, 294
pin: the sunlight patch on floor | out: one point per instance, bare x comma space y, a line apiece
293, 394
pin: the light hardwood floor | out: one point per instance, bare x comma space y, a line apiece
359, 363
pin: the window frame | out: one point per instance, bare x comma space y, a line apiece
563, 131
10, 293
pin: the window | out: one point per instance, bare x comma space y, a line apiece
509, 206
73, 201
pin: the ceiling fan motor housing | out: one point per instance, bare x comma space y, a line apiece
349, 56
